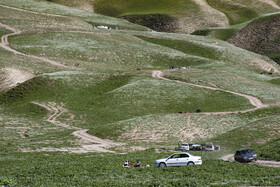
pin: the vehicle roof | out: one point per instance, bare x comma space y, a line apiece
243, 149
182, 153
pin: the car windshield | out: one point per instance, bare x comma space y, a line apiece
246, 151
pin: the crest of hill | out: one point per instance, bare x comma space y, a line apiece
260, 36
184, 16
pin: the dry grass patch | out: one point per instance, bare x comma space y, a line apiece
173, 127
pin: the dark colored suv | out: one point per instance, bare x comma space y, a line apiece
245, 155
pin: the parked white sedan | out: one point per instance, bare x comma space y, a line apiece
179, 159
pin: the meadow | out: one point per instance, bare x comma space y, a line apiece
51, 169
105, 87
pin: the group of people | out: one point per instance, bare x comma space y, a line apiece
127, 163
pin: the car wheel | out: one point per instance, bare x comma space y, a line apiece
190, 163
162, 165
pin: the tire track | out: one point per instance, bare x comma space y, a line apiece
5, 45
253, 100
98, 144
269, 163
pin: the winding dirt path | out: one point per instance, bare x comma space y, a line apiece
230, 158
88, 142
253, 100
5, 45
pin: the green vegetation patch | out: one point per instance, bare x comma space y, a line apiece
275, 56
275, 81
4, 31
29, 90
80, 16
235, 12
219, 33
269, 150
187, 47
140, 7
147, 96
57, 169
263, 126
117, 98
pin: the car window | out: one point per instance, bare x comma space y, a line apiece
175, 156
184, 155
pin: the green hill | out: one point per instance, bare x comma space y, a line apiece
67, 87
260, 36
185, 15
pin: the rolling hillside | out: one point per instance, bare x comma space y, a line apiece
260, 36
77, 101
185, 15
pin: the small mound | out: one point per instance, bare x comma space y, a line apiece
260, 36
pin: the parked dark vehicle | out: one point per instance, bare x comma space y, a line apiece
245, 155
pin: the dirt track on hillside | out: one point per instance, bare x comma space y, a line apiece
88, 142
5, 45
55, 111
253, 100
230, 158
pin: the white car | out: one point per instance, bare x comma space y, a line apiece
209, 146
179, 159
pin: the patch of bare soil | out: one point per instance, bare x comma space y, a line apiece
13, 76
230, 158
261, 64
88, 142
268, 163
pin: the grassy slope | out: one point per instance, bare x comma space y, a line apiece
240, 14
109, 80
263, 40
209, 14
129, 56
143, 7
269, 150
81, 15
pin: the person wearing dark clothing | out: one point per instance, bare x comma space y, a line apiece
138, 164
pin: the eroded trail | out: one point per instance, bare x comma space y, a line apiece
253, 100
5, 45
88, 142
230, 158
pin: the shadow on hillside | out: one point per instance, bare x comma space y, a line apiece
157, 22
